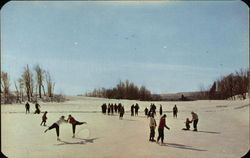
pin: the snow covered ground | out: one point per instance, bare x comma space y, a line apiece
223, 131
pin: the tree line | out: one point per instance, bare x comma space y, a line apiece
229, 86
226, 87
30, 86
124, 90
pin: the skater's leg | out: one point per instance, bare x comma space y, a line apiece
74, 129
195, 124
79, 123
54, 125
150, 135
159, 135
57, 132
162, 136
153, 133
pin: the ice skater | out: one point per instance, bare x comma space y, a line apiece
175, 111
108, 108
187, 123
152, 126
153, 109
37, 108
132, 110
195, 120
56, 126
104, 108
160, 110
44, 118
146, 111
122, 111
161, 126
27, 107
136, 109
74, 123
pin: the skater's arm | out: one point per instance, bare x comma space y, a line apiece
167, 127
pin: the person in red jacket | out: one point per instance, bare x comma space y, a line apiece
161, 126
74, 123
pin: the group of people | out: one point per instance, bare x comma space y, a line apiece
37, 106
152, 110
162, 125
113, 108
195, 120
134, 109
55, 125
152, 126
61, 120
119, 108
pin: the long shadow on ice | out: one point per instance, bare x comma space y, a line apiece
181, 146
83, 141
128, 119
209, 132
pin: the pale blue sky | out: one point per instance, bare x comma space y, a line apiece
167, 46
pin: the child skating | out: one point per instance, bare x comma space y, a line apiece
44, 118
56, 126
187, 124
37, 108
74, 123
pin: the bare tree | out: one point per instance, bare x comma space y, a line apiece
18, 96
5, 85
50, 85
27, 77
21, 88
39, 79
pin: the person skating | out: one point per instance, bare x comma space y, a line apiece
146, 111
160, 110
37, 106
115, 107
108, 108
136, 109
74, 123
161, 126
122, 111
195, 120
112, 108
153, 109
56, 126
27, 107
44, 118
152, 126
132, 110
119, 107
104, 108
187, 124
175, 111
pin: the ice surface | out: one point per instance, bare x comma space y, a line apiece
223, 130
